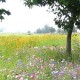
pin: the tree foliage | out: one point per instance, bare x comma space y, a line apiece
2, 1
3, 11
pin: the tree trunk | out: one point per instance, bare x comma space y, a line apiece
68, 44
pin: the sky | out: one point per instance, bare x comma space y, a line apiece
23, 19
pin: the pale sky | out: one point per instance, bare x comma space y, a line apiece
23, 19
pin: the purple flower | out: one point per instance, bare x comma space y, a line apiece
55, 72
61, 73
73, 75
51, 65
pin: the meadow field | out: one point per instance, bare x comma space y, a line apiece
38, 57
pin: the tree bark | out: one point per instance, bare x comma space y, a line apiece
68, 44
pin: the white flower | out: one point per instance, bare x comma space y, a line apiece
55, 72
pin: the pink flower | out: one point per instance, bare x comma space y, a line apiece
70, 64
32, 75
42, 67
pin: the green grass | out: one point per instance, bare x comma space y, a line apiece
36, 57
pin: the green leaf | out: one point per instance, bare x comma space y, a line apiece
2, 0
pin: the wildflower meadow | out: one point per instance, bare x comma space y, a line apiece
38, 57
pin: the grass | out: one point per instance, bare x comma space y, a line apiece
38, 57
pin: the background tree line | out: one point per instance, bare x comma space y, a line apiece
46, 29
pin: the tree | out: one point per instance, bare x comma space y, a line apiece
46, 29
68, 15
52, 30
29, 32
39, 31
3, 11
